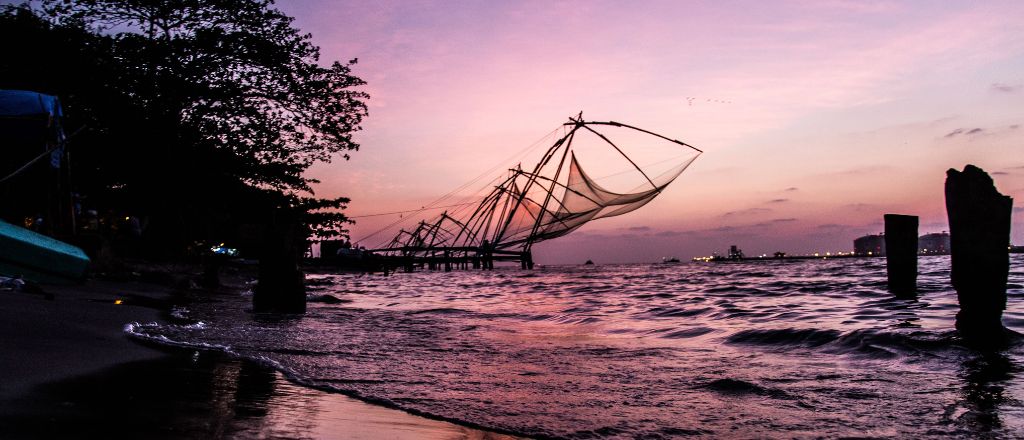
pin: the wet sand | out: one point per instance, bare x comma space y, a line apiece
68, 370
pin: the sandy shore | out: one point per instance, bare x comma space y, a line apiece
68, 370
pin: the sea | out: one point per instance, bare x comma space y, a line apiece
792, 349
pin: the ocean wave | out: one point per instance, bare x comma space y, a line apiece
150, 332
871, 342
688, 333
729, 386
817, 347
440, 311
784, 337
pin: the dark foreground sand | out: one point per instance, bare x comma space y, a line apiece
67, 370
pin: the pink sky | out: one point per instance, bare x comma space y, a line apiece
832, 114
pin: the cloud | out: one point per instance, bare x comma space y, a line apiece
864, 170
791, 189
774, 222
831, 226
860, 206
778, 200
999, 173
1005, 88
639, 228
967, 132
746, 212
1018, 209
673, 233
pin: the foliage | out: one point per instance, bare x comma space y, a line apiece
195, 108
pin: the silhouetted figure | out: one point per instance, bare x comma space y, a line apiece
979, 225
901, 253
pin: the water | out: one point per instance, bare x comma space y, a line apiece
778, 349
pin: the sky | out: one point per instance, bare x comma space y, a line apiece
815, 118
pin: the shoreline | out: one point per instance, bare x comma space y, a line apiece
70, 370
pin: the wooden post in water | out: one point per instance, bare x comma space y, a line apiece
528, 260
488, 260
979, 233
281, 286
901, 253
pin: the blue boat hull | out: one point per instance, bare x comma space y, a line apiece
39, 258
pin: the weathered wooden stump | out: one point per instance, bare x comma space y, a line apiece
979, 230
281, 287
901, 253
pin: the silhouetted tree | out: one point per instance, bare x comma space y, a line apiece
201, 113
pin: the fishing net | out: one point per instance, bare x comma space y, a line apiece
557, 196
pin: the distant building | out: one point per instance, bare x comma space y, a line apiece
869, 245
933, 244
735, 253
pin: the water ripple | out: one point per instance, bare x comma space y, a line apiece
777, 349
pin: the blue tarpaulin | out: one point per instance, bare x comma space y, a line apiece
30, 129
23, 103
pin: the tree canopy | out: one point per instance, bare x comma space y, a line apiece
199, 112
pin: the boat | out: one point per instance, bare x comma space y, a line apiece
589, 263
32, 168
36, 257
669, 260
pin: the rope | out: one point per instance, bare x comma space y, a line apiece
432, 205
51, 150
30, 163
410, 210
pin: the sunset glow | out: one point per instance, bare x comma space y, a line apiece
815, 117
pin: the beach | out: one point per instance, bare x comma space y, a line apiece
70, 370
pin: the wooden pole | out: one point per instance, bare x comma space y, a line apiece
281, 287
901, 253
979, 229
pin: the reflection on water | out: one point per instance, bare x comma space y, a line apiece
737, 349
986, 378
208, 396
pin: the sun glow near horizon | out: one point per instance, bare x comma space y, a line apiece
815, 118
